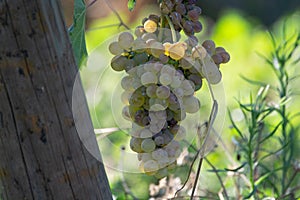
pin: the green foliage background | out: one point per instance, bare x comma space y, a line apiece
241, 36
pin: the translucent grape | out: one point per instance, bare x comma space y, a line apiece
165, 79
163, 92
150, 26
159, 154
151, 90
118, 63
159, 141
126, 83
125, 40
191, 104
150, 166
148, 145
146, 133
115, 49
135, 144
148, 78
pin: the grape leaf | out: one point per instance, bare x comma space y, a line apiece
77, 33
131, 4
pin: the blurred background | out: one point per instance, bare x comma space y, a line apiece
241, 27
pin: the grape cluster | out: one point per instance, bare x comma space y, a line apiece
184, 15
157, 97
162, 75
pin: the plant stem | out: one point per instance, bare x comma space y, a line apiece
197, 177
174, 37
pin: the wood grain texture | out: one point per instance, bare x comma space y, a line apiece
41, 154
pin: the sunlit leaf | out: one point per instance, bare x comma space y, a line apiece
131, 4
77, 33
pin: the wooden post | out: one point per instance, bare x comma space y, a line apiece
41, 154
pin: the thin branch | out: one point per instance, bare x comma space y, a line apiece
117, 14
197, 177
92, 3
218, 176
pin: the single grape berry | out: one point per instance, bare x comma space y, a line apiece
125, 40
150, 26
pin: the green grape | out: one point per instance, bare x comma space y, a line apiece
163, 58
150, 167
115, 49
137, 99
148, 36
151, 90
150, 26
191, 104
146, 133
168, 137
135, 144
140, 58
158, 104
146, 156
125, 40
139, 45
186, 62
159, 154
199, 52
139, 31
126, 82
118, 63
165, 79
148, 78
163, 92
157, 49
187, 87
148, 145
159, 141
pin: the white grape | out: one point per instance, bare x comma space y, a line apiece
191, 104
160, 154
163, 92
146, 133
115, 49
126, 83
165, 79
148, 145
125, 40
150, 166
148, 78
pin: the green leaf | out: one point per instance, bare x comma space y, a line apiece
131, 4
77, 33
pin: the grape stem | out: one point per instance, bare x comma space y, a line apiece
174, 37
162, 26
